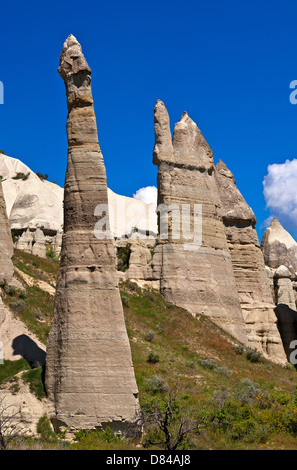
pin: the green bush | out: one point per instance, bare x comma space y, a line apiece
223, 371
239, 349
10, 368
107, 435
155, 385
125, 299
18, 176
153, 357
17, 306
9, 290
22, 294
45, 430
253, 355
247, 391
206, 363
35, 381
41, 176
50, 252
150, 296
149, 336
123, 255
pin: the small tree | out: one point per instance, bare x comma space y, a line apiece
9, 426
42, 176
168, 425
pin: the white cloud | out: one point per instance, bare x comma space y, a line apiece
266, 222
147, 195
280, 192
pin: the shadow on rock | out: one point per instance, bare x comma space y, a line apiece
287, 326
24, 346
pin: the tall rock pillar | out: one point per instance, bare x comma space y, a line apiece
249, 269
89, 372
6, 251
198, 278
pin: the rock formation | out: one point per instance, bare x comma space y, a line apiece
6, 251
287, 324
35, 210
284, 293
196, 273
89, 373
34, 207
279, 247
249, 269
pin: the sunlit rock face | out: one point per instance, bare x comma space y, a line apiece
252, 282
89, 373
196, 273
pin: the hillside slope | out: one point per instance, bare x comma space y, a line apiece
241, 400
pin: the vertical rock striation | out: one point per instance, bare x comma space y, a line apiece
284, 293
89, 372
194, 274
6, 252
249, 269
279, 247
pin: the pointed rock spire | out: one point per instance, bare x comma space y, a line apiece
72, 60
89, 372
190, 147
6, 252
198, 278
248, 265
279, 247
163, 150
233, 204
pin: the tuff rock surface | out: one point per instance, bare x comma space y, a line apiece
279, 247
89, 372
284, 293
194, 267
35, 210
6, 245
252, 283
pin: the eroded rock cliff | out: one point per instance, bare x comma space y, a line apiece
89, 372
249, 269
193, 262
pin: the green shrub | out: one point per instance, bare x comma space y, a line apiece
35, 381
156, 385
153, 357
17, 306
150, 296
247, 391
149, 335
41, 176
9, 368
206, 363
125, 299
50, 252
107, 435
18, 176
223, 371
253, 355
238, 348
22, 294
123, 255
9, 290
45, 430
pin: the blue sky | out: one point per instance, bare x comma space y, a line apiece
229, 64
